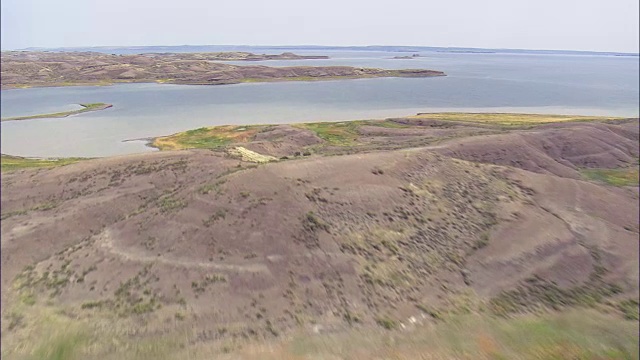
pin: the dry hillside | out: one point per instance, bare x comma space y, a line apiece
405, 225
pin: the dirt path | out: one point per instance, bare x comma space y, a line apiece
105, 240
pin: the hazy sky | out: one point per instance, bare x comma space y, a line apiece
601, 25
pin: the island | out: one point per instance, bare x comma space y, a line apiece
21, 69
85, 108
407, 56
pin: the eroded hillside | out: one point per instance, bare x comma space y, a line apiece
223, 251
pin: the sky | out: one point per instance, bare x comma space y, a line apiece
595, 25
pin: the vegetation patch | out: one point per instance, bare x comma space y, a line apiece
207, 137
218, 215
536, 292
40, 207
311, 226
208, 188
30, 281
508, 118
568, 335
387, 123
12, 163
313, 223
200, 287
387, 323
168, 204
615, 177
629, 308
335, 133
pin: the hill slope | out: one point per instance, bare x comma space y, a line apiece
203, 244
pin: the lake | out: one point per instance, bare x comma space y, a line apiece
537, 83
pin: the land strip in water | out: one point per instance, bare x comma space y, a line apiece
21, 69
84, 108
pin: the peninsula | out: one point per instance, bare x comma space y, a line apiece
84, 108
30, 69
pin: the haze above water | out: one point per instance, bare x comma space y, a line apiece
563, 84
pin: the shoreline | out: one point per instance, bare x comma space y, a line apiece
502, 120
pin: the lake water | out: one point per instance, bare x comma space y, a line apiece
565, 84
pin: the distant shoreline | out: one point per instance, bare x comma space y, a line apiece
409, 73
38, 69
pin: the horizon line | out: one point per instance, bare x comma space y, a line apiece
321, 46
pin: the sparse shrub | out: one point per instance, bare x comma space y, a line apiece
629, 308
351, 318
313, 222
429, 311
271, 329
150, 242
201, 286
28, 299
205, 189
219, 214
15, 320
92, 305
168, 204
208, 188
46, 206
387, 323
483, 241
141, 308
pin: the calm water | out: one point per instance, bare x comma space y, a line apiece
568, 84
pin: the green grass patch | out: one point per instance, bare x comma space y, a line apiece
169, 204
615, 177
63, 346
335, 133
574, 334
390, 124
11, 163
207, 137
508, 119
568, 335
346, 133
